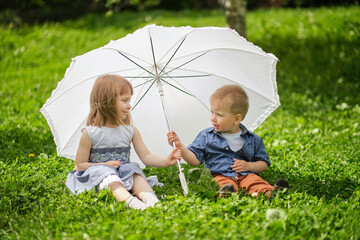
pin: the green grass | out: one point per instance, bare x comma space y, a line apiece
312, 139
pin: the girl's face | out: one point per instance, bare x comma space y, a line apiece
123, 104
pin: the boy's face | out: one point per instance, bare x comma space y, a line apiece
221, 117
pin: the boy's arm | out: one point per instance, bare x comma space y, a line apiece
259, 162
189, 156
186, 154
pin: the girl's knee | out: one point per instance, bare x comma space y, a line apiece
111, 180
137, 176
115, 185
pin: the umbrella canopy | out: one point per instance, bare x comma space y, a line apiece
187, 65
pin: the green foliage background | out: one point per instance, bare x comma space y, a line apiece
22, 12
312, 139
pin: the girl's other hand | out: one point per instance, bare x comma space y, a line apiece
174, 156
113, 163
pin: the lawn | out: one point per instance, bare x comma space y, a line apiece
312, 139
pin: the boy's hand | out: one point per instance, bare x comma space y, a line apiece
240, 166
172, 137
174, 156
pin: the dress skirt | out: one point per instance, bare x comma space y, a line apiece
78, 182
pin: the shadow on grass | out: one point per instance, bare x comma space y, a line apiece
329, 189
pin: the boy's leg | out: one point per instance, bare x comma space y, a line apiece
223, 180
254, 185
228, 186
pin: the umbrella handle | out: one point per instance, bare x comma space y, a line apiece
183, 183
178, 160
182, 178
161, 93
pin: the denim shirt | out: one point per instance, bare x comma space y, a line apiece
210, 147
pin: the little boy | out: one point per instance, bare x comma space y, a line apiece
234, 155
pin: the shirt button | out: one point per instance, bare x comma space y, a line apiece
227, 148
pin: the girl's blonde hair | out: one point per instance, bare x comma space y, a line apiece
239, 98
103, 102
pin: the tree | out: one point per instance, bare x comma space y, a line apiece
235, 12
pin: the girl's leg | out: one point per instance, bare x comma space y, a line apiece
121, 194
142, 190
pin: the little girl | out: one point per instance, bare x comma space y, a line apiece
103, 157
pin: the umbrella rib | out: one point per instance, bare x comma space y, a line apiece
193, 95
82, 81
187, 62
232, 81
128, 77
143, 83
181, 43
135, 63
185, 36
189, 76
153, 54
143, 95
215, 75
263, 54
176, 87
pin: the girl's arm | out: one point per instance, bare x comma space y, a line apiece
83, 153
150, 159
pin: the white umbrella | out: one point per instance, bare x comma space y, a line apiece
173, 70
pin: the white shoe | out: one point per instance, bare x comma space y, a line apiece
150, 199
135, 203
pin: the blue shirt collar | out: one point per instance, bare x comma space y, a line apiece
244, 130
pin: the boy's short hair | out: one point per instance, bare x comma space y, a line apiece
240, 100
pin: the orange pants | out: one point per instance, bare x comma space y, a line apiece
251, 182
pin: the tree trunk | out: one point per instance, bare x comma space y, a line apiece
235, 11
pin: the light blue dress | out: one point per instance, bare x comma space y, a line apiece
108, 144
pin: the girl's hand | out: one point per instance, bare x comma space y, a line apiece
113, 163
240, 166
172, 137
173, 157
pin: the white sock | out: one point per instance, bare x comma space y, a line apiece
135, 203
149, 198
